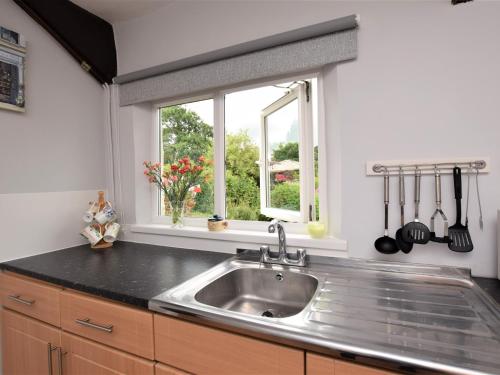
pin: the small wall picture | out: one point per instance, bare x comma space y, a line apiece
12, 61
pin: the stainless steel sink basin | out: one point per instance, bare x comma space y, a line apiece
423, 316
257, 291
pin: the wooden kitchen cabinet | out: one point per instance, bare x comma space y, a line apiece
33, 343
317, 364
33, 298
113, 324
161, 369
348, 368
85, 357
29, 346
203, 350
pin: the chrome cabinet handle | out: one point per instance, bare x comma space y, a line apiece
87, 323
50, 349
60, 361
17, 298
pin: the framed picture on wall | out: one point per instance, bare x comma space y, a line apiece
12, 62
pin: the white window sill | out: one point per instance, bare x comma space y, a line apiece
246, 236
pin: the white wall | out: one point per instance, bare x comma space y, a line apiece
51, 156
425, 85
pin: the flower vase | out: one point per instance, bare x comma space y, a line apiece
177, 209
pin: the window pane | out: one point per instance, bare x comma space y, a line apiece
187, 130
243, 143
283, 157
243, 123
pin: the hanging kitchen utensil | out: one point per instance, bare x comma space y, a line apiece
404, 246
468, 194
459, 234
479, 201
386, 244
416, 232
439, 211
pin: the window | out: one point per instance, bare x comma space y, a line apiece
187, 130
264, 147
286, 168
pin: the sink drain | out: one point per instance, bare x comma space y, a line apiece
268, 313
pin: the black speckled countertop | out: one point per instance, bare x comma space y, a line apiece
490, 286
129, 272
133, 273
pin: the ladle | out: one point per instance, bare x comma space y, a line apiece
386, 244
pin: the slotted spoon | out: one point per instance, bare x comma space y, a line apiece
415, 231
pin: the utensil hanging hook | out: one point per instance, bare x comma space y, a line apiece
447, 166
481, 225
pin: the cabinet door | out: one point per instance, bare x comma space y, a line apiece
161, 369
84, 357
319, 365
208, 351
348, 368
29, 346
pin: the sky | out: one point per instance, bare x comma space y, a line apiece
243, 111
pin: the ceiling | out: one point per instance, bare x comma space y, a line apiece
121, 10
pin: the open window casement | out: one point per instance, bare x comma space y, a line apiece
287, 125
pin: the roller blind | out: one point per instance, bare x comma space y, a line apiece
294, 51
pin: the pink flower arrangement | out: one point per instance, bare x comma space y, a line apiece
179, 179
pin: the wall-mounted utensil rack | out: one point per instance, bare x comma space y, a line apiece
427, 166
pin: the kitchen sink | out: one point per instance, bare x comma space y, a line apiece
427, 316
243, 289
258, 291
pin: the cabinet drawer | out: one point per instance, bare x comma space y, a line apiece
33, 298
319, 364
84, 357
347, 368
161, 369
109, 323
203, 350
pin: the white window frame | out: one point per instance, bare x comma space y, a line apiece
156, 155
298, 93
219, 155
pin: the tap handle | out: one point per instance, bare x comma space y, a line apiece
273, 225
301, 253
264, 254
300, 259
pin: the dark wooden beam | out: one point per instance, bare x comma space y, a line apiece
88, 38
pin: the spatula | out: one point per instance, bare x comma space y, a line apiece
459, 234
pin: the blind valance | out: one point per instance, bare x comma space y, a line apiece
294, 51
